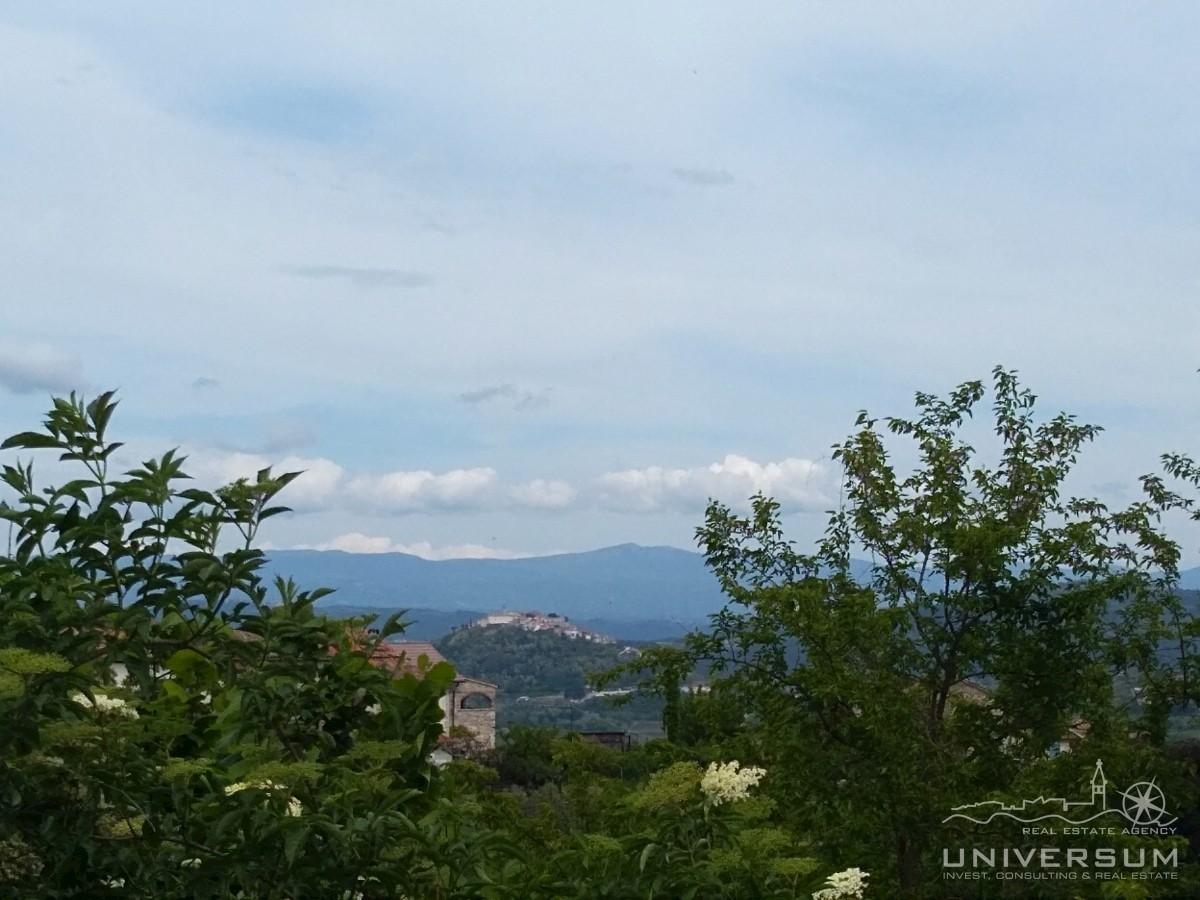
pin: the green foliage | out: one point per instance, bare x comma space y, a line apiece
174, 726
996, 614
526, 756
639, 713
526, 662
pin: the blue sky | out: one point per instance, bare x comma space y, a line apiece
519, 278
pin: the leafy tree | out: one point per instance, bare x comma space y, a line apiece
172, 727
994, 615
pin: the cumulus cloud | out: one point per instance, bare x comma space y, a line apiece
704, 177
798, 483
361, 276
317, 487
325, 485
421, 491
543, 494
508, 393
357, 542
38, 367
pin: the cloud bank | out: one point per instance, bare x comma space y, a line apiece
799, 484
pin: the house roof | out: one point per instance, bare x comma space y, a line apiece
403, 657
397, 657
464, 679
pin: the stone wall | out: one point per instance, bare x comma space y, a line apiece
471, 704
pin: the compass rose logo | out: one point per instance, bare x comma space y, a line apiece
1144, 805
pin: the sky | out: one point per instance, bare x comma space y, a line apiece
519, 278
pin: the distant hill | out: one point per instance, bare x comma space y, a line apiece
527, 662
606, 589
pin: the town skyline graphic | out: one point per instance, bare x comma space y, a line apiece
1142, 804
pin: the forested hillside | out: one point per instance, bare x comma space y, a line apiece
528, 662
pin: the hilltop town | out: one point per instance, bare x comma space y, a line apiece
537, 621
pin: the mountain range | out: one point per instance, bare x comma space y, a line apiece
629, 591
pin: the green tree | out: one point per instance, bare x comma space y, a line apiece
993, 617
173, 727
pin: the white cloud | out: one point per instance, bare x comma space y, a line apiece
318, 485
796, 483
799, 484
356, 542
216, 469
424, 490
543, 494
323, 484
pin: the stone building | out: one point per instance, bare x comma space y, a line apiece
469, 703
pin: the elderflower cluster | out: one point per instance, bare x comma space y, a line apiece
728, 782
848, 884
358, 895
294, 806
105, 703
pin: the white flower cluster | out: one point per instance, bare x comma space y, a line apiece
358, 895
105, 703
848, 884
728, 782
294, 807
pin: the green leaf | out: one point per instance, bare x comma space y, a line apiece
31, 440
293, 841
649, 850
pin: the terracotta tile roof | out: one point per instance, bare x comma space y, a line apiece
397, 657
402, 657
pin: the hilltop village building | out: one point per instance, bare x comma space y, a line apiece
537, 621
